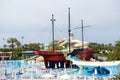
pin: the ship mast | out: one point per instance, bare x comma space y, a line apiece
53, 31
82, 34
69, 30
82, 27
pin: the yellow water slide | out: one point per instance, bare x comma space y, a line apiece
58, 44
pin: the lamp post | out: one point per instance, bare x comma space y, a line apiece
22, 46
4, 46
53, 31
22, 42
4, 49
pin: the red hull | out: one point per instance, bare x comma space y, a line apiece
55, 58
87, 53
49, 56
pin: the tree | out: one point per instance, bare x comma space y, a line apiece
115, 54
25, 47
97, 47
34, 46
55, 45
117, 46
14, 43
41, 45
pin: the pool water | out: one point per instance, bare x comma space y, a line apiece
33, 70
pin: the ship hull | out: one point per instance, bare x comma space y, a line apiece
53, 59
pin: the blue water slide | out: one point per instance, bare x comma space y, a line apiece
100, 70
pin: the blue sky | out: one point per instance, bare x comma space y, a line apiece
31, 19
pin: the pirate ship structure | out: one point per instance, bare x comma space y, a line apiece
57, 59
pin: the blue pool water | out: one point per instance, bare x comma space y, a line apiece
11, 66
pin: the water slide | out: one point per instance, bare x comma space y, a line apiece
31, 58
93, 67
98, 70
89, 63
58, 44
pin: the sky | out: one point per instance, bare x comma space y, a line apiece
31, 19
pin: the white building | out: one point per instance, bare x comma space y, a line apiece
74, 44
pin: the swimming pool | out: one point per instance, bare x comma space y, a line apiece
31, 69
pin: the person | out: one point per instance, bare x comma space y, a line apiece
19, 72
5, 72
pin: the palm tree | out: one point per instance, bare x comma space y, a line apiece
55, 45
34, 46
13, 43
